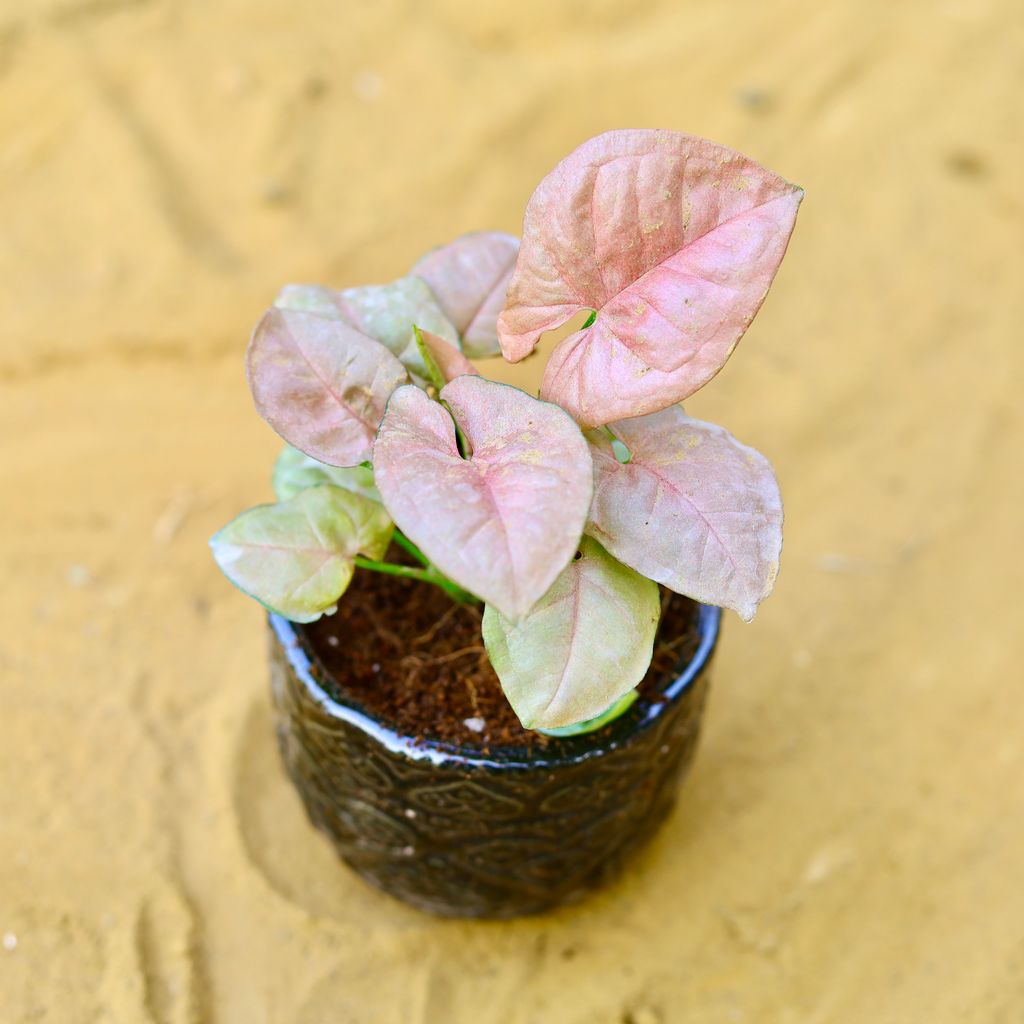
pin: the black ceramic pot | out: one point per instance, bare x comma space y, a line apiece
459, 833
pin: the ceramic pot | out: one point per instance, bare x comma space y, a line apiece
460, 833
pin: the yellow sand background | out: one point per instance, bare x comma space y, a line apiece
850, 846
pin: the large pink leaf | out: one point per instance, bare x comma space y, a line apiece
672, 240
503, 522
469, 278
321, 384
693, 509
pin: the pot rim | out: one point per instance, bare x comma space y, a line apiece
567, 750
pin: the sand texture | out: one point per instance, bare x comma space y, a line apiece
850, 846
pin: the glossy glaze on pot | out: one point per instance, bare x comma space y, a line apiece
460, 833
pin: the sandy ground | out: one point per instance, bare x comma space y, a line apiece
850, 845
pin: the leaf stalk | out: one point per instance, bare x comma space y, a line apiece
428, 574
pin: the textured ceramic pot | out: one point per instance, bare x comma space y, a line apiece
460, 833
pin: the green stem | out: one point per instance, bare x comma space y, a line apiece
391, 569
403, 542
427, 575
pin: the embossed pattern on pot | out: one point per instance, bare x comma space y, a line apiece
502, 834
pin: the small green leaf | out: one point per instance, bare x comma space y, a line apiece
297, 557
294, 471
622, 453
434, 374
582, 647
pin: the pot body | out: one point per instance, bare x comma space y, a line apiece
461, 833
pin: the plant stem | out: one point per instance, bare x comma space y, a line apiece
403, 542
428, 575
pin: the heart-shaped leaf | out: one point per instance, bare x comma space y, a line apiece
297, 558
504, 521
587, 642
672, 240
321, 384
693, 509
469, 278
295, 471
443, 362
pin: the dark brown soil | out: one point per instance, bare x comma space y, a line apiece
416, 660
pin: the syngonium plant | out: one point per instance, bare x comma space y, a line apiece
562, 513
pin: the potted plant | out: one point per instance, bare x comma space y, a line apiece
590, 535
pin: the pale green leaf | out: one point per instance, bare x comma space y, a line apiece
384, 312
294, 471
620, 707
297, 557
387, 312
585, 644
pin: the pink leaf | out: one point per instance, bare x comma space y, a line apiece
469, 278
448, 359
672, 240
693, 509
503, 522
321, 384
